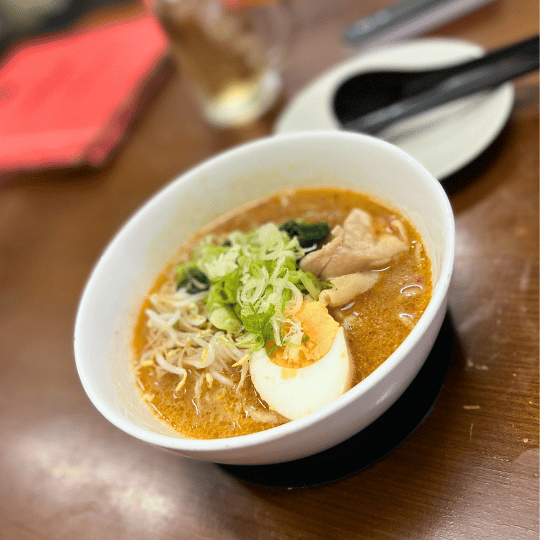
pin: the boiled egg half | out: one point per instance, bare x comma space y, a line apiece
326, 371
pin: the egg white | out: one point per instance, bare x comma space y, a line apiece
295, 393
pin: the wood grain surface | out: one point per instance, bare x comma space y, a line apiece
470, 470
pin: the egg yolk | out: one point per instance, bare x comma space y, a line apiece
319, 328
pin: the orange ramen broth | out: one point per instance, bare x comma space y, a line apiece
375, 323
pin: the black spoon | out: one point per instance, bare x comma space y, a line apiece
372, 101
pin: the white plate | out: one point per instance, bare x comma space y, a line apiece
444, 139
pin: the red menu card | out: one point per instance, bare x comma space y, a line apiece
68, 100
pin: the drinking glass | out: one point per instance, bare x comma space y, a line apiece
232, 50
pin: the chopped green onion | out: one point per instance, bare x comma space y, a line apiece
252, 280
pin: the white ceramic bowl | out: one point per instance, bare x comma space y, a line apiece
128, 267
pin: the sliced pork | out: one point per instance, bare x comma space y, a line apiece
347, 287
355, 247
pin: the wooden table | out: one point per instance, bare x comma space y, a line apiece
470, 470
